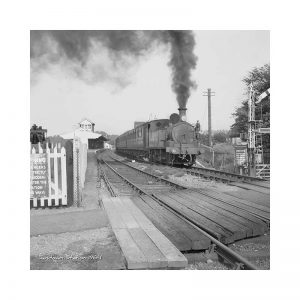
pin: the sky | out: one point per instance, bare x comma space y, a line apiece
59, 100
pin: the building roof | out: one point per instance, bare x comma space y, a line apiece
80, 133
86, 119
102, 138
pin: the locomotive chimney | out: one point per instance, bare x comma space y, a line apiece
182, 113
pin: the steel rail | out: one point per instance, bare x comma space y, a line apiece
246, 177
225, 176
107, 182
225, 252
134, 186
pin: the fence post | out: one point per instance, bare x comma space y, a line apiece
76, 166
63, 177
42, 199
34, 200
49, 173
55, 175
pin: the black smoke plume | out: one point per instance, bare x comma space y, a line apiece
50, 47
182, 61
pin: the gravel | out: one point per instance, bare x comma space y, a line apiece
256, 250
59, 210
178, 175
90, 249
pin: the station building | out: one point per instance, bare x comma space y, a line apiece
86, 133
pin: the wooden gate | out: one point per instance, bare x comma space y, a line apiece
263, 171
48, 178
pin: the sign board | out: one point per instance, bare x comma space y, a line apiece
258, 158
263, 130
240, 155
39, 181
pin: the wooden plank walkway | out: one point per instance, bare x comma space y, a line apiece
143, 245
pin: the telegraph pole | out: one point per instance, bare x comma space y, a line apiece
209, 94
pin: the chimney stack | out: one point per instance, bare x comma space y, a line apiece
182, 113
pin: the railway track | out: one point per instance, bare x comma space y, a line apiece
124, 179
228, 177
117, 172
243, 181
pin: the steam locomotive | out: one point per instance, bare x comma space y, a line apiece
169, 141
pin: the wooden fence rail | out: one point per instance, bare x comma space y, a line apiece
48, 178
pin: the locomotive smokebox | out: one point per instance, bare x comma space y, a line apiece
182, 113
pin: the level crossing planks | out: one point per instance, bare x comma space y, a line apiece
244, 221
180, 229
219, 232
257, 210
165, 226
251, 187
238, 230
251, 196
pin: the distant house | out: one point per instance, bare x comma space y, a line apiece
107, 146
87, 125
86, 133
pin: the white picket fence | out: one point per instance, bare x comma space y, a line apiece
48, 178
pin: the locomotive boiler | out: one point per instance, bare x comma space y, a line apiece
169, 141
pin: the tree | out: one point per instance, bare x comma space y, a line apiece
220, 136
260, 78
112, 138
102, 133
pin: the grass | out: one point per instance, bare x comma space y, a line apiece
224, 157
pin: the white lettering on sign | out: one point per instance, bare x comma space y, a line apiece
39, 181
240, 156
